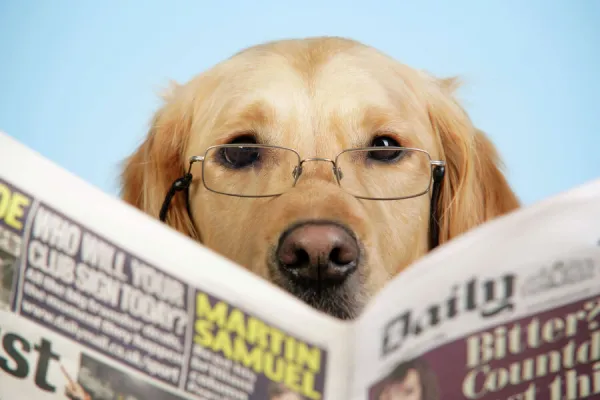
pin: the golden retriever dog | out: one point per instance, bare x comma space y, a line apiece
313, 166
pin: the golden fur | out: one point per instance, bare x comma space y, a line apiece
318, 96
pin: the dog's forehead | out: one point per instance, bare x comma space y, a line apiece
335, 78
307, 96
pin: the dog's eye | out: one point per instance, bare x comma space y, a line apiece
393, 154
240, 156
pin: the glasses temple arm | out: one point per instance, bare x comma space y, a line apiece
439, 170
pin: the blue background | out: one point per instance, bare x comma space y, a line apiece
79, 79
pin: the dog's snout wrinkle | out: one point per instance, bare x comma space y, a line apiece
318, 252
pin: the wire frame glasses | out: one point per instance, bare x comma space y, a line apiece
372, 173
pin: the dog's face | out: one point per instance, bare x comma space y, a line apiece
318, 97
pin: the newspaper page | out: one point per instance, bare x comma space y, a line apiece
101, 302
509, 311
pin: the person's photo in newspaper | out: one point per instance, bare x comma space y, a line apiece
278, 391
7, 272
99, 381
409, 380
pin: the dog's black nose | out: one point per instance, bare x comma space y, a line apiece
318, 251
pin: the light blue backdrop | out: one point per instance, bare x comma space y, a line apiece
78, 79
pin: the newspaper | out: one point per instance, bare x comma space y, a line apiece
100, 301
509, 311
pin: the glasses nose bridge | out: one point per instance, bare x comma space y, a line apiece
300, 169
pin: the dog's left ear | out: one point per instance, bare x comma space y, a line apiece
475, 189
151, 170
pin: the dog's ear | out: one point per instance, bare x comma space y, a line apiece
474, 189
151, 170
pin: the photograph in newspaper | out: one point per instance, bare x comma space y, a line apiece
413, 379
14, 210
99, 381
8, 269
80, 285
236, 355
553, 354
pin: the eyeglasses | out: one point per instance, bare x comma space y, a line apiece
371, 173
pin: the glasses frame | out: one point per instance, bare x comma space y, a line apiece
297, 172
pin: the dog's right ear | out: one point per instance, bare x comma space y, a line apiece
151, 170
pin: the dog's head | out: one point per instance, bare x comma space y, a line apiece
320, 236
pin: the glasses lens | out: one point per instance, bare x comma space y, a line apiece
249, 170
386, 173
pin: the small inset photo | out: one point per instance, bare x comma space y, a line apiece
408, 380
8, 272
278, 391
99, 381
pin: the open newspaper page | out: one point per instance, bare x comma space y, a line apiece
99, 301
509, 311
